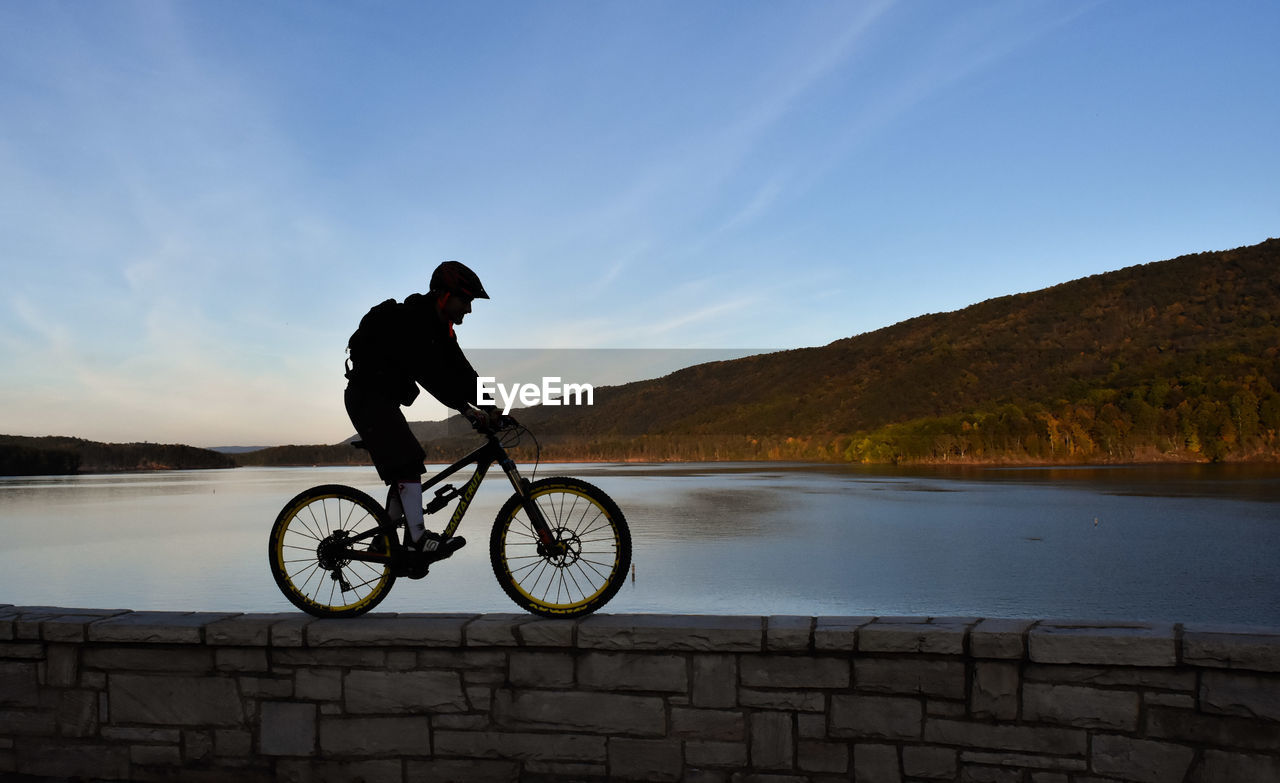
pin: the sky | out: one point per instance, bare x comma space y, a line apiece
199, 200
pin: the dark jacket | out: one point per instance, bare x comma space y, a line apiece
400, 345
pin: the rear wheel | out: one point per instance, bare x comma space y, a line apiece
309, 551
587, 563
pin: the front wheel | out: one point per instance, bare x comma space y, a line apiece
309, 545
585, 566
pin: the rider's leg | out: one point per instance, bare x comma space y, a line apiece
410, 491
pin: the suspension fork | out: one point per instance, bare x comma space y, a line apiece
521, 486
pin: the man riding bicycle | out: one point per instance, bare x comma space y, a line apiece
397, 347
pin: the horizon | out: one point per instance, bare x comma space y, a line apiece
202, 200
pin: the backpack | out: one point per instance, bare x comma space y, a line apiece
375, 333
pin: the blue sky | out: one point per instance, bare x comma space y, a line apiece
199, 200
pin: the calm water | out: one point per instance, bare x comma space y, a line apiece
1171, 543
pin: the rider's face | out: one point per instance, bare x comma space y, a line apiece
456, 308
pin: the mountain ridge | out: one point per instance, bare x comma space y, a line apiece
1173, 360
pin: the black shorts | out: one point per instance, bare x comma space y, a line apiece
396, 453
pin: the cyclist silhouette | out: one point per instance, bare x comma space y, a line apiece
397, 347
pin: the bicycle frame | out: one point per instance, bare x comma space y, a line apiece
483, 458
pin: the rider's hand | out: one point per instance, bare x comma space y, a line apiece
484, 419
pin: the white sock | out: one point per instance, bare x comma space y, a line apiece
411, 499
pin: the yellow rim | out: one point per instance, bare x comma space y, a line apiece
317, 525
540, 567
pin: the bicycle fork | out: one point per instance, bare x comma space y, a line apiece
546, 536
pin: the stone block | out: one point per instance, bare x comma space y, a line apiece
136, 735
541, 669
1021, 760
1231, 647
27, 723
794, 671
634, 672
458, 771
494, 630
811, 725
464, 660
77, 713
232, 743
239, 659
317, 771
1003, 639
460, 722
375, 737
907, 674
52, 759
197, 746
157, 658
61, 667
814, 756
698, 633
580, 712
174, 701
280, 687
1187, 726
715, 681
942, 636
709, 753
875, 717
637, 759
1108, 676
19, 685
155, 627
389, 630
566, 770
1072, 705
73, 626
838, 634
31, 651
521, 746
787, 633
708, 724
245, 630
1025, 739
155, 755
876, 764
287, 729
1139, 760
1183, 701
291, 631
931, 763
394, 693
994, 694
1111, 644
318, 684
1218, 766
402, 660
771, 741
1244, 695
547, 633
792, 701
945, 708
345, 657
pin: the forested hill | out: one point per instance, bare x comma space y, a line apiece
1173, 360
23, 456
1168, 360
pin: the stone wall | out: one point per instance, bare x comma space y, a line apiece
210, 697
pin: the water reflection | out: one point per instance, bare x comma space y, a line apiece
1181, 543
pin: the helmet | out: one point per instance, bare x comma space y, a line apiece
456, 278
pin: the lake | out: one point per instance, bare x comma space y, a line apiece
1175, 543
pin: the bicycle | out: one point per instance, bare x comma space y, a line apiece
560, 547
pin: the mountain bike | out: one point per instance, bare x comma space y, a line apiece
559, 547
